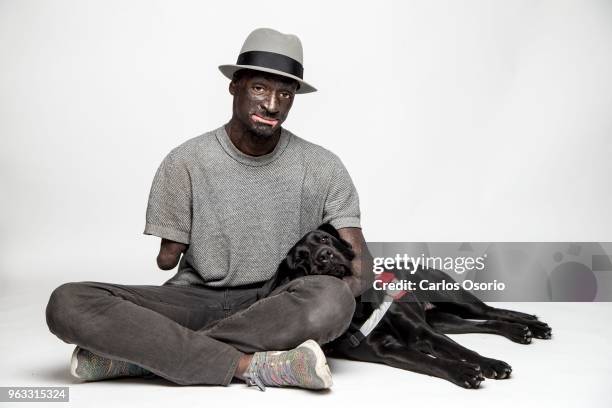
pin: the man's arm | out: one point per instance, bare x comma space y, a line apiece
169, 209
170, 253
363, 276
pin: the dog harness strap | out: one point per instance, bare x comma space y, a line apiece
354, 338
376, 317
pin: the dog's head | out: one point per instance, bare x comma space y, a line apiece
319, 252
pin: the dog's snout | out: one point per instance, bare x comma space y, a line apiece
325, 255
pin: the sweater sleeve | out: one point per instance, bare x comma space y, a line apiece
169, 207
341, 208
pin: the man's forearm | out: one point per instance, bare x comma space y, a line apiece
363, 277
170, 253
361, 266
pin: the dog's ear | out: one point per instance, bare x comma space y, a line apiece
287, 270
282, 273
289, 262
330, 229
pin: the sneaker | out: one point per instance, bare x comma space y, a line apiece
88, 366
304, 366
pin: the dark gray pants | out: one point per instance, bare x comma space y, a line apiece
196, 335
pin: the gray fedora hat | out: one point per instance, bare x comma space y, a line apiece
271, 51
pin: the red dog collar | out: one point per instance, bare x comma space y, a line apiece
389, 277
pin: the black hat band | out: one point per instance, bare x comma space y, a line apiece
271, 60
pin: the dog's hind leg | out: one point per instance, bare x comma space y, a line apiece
511, 314
451, 324
465, 304
476, 309
539, 329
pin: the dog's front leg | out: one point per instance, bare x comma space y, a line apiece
405, 321
445, 347
385, 348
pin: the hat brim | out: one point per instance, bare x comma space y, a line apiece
228, 71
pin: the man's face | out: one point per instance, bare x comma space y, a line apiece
262, 101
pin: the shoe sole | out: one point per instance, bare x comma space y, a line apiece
74, 362
321, 367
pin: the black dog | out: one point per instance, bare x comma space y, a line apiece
411, 334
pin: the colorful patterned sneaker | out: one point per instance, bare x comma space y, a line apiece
88, 366
304, 366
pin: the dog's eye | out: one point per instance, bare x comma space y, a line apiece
324, 240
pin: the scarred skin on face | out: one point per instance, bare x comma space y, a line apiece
261, 104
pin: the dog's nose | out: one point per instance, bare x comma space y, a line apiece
325, 255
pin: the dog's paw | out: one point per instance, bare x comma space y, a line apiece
496, 369
518, 333
540, 329
464, 374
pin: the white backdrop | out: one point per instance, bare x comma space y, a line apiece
458, 121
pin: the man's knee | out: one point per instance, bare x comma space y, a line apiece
332, 306
61, 308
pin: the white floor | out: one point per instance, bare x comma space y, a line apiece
574, 369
